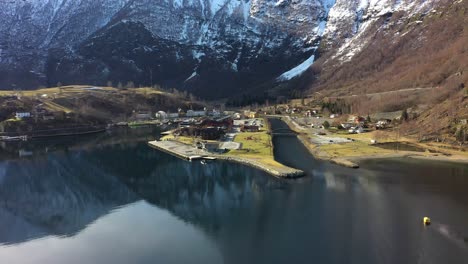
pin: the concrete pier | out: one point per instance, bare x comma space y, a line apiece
179, 150
187, 152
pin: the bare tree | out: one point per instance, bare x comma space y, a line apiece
130, 84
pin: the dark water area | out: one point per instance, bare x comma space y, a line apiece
116, 200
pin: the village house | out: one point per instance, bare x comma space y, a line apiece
21, 115
206, 128
356, 130
161, 115
205, 133
215, 113
383, 123
192, 113
250, 114
347, 125
186, 123
172, 115
224, 124
356, 119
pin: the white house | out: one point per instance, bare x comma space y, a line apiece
20, 115
347, 125
191, 113
382, 123
172, 115
161, 115
356, 130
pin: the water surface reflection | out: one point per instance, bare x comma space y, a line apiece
121, 203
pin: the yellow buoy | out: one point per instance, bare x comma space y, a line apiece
426, 220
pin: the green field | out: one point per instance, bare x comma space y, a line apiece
256, 146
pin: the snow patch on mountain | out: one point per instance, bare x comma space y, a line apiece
191, 76
349, 20
233, 36
298, 70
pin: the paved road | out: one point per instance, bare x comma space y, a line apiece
384, 93
305, 124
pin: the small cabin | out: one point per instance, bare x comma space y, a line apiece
21, 115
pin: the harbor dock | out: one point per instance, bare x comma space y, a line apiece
188, 152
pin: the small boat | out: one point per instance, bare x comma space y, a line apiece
426, 221
209, 158
203, 162
195, 157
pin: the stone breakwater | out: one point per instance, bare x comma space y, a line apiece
285, 172
187, 152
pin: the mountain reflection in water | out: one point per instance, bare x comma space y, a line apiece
122, 203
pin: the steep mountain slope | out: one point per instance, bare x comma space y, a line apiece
213, 47
221, 48
409, 44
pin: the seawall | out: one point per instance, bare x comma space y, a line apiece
187, 152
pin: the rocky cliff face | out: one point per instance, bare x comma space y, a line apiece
375, 46
214, 48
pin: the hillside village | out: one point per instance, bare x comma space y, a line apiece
87, 109
81, 109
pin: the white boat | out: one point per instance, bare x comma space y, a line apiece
195, 157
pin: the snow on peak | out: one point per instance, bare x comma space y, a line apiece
281, 3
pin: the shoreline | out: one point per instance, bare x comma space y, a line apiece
303, 138
353, 161
413, 155
32, 136
186, 152
342, 161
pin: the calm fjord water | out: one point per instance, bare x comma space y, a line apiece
123, 202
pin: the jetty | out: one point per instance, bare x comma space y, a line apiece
189, 153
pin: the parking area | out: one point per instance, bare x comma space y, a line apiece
315, 121
323, 140
320, 137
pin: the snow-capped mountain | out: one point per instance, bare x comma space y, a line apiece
349, 20
214, 48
